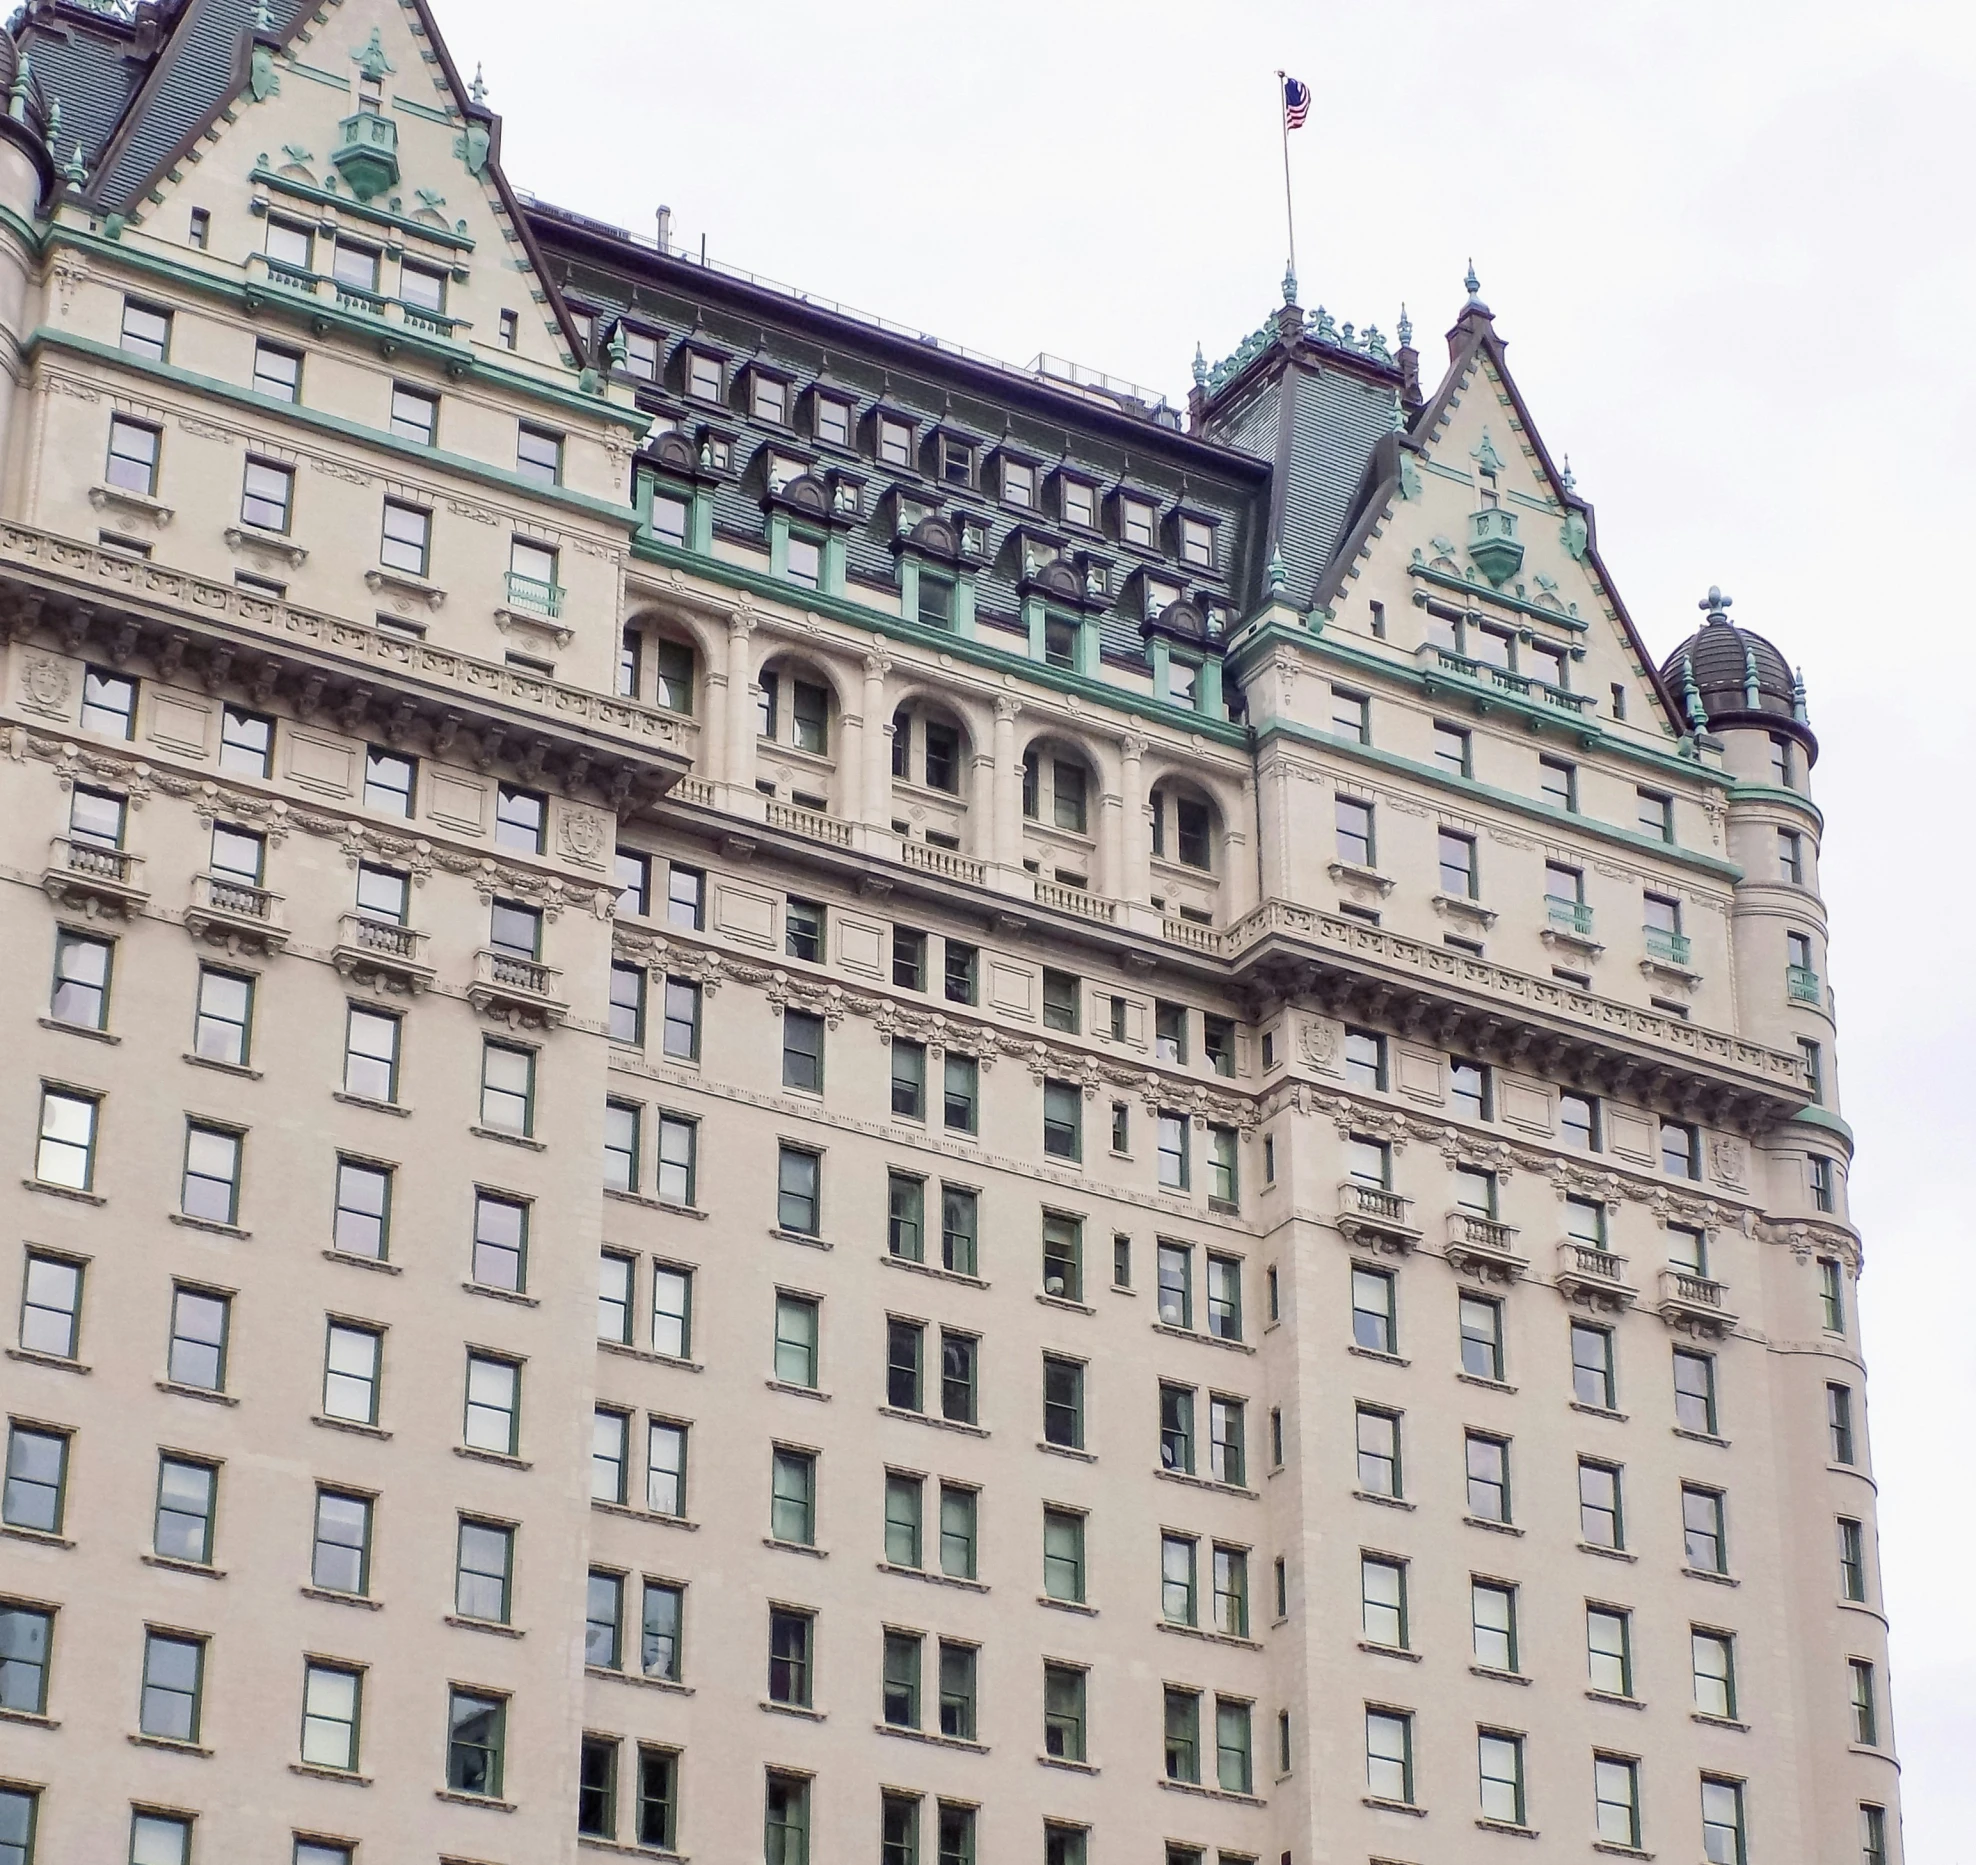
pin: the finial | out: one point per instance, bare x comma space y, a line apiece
74, 172
1797, 698
1715, 604
1697, 712
1570, 483
1474, 284
619, 346
477, 90
1200, 367
1289, 286
54, 125
17, 92
1752, 695
1406, 329
263, 19
1279, 578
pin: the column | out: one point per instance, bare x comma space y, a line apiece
849, 800
740, 701
877, 740
1238, 857
1004, 843
1136, 875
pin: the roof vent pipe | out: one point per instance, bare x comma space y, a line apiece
665, 229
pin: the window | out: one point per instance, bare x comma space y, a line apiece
1378, 1452
1814, 1067
1351, 716
1355, 844
1557, 783
1063, 1120
802, 925
1790, 856
1592, 1373
350, 1373
66, 1153
1600, 1521
476, 1741
512, 927
608, 1455
507, 1088
1499, 1768
1063, 1256
406, 543
519, 819
160, 1838
1227, 1440
1831, 1295
1177, 1428
1373, 1321
339, 1558
959, 1508
267, 495
1687, 1249
627, 1018
1172, 1151
1224, 1181
1383, 1601
1063, 1554
1234, 1770
210, 1189
197, 1353
1609, 1650
1722, 1812
959, 1229
174, 1670
1488, 1477
908, 1080
133, 457
1183, 1735
1481, 1321
246, 742
414, 415
1852, 1559
680, 1035
802, 1051
1475, 1191
603, 1621
961, 969
36, 1492
1231, 1591
786, 1820
1389, 1755
678, 1155
1839, 1424
596, 1787
665, 1468
182, 1528
959, 1371
1656, 815
96, 817
621, 1146
332, 1706
1063, 1402
370, 1045
1873, 1835
1694, 1391
1471, 1088
1458, 865
1680, 1150
388, 781
539, 456
24, 1639
146, 330
899, 1692
493, 1405
789, 1635
1824, 1195
1783, 760
796, 1318
1492, 1622
904, 1364
1703, 1542
81, 993
51, 1306
960, 1097
1365, 1060
1714, 1660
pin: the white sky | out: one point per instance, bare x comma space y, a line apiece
1730, 248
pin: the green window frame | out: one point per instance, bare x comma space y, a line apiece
627, 1005
201, 1324
802, 1051
80, 991
905, 1506
1063, 1554
476, 1743
65, 1153
900, 1685
210, 1187
1063, 1712
1231, 1591
622, 1120
679, 1158
1492, 1625
1382, 1600
340, 1543
483, 1570
658, 1797
1063, 1120
170, 1702
603, 1620
791, 1639
332, 1715
1182, 1721
786, 1819
51, 1305
1179, 1585
26, 1651
1063, 1256
681, 1035
908, 1079
37, 1481
507, 1088
960, 1229
1233, 1752
792, 1496
361, 1222
799, 1174
661, 1630
960, 1517
351, 1368
500, 1241
797, 1319
1609, 1649
597, 1786
1063, 1401
183, 1511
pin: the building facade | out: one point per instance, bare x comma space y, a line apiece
783, 1096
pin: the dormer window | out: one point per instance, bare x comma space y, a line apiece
1080, 504
641, 354
974, 537
1019, 484
768, 398
895, 441
1197, 543
832, 421
704, 376
669, 519
936, 600
956, 461
1060, 643
782, 469
423, 288
1135, 524
805, 562
1159, 596
586, 329
1183, 682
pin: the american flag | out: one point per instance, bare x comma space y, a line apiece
1296, 103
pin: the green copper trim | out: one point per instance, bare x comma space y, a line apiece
1521, 605
1448, 472
301, 415
1770, 793
316, 72
30, 235
362, 210
450, 119
1471, 792
1825, 1121
896, 627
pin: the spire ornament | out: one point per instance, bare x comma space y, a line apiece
1200, 367
1289, 285
1473, 284
477, 90
1405, 329
1715, 605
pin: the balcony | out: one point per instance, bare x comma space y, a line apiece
516, 990
228, 911
1593, 1277
1693, 1304
1078, 900
1484, 1248
534, 595
366, 153
91, 878
1669, 948
1373, 1218
1801, 985
812, 823
1573, 918
1493, 543
381, 953
943, 862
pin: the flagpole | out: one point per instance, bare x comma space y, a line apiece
1289, 214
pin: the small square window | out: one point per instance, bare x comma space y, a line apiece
267, 495
539, 456
414, 415
147, 331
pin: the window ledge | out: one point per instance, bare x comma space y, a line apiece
35, 1357
485, 1625
77, 1029
1392, 1806
1389, 1651
796, 1391
205, 1569
1617, 1851
29, 1716
363, 1100
1693, 1437
167, 1742
1488, 1385
1852, 1470
797, 1547
254, 537
1081, 1607
1613, 1696
1075, 1452
1205, 1636
657, 1204
934, 1269
508, 1139
347, 1424
13, 1531
335, 1598
1872, 1750
934, 1579
474, 1800
1124, 1288
650, 1355
502, 1295
1507, 1677
1495, 1528
1730, 1722
364, 1262
406, 583
670, 1685
1507, 1826
1206, 1340
927, 1418
794, 1709
1065, 1301
195, 1392
645, 1515
225, 1068
64, 1191
1377, 1353
317, 1772
210, 1225
1594, 1411
482, 1456
1200, 1792
1072, 1767
1703, 1573
588, 1842
1385, 1502
1206, 1482
796, 1236
1604, 1553
964, 1743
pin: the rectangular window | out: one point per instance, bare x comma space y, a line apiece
406, 543
1231, 1591
1224, 1178
174, 1671
197, 1353
1865, 1704
786, 1820
182, 1527
905, 1356
1383, 1601
1600, 1521
1061, 991
350, 1372
1177, 1580
493, 1405
1499, 1768
1852, 1559
414, 415
24, 1638
609, 1455
267, 495
1379, 1452
1063, 1120
959, 1511
1063, 1256
1063, 1554
1389, 1755
81, 991
790, 1634
1234, 1769
210, 1188
1458, 865
803, 930
681, 1035
1365, 1060
909, 959
1824, 1180
659, 1630
36, 1491
1873, 1835
1680, 1150
960, 1093
1609, 1650
483, 1571
1703, 1542
339, 1556
603, 1621
133, 457
507, 1086
899, 1693
1557, 783
1063, 1402
96, 817
1481, 1321
959, 1229
627, 1005
1351, 716
539, 456
1227, 1440
957, 1690
1177, 1428
672, 1311
1183, 1735
621, 1146
1492, 1619
1723, 1840
332, 1715
1488, 1477
1694, 1391
596, 1786
1355, 845
147, 331
1839, 1424
665, 1468
798, 1205
1172, 1151
520, 818
1790, 856
476, 1743
1714, 1659
960, 1356
51, 1306
66, 1151
962, 968
796, 1328
679, 1145
389, 781
1578, 1122
1687, 1249
1592, 1369
908, 1079
905, 1501
1374, 1323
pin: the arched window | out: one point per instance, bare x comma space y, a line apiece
793, 708
929, 748
1184, 825
1057, 789
657, 667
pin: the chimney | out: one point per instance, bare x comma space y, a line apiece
665, 229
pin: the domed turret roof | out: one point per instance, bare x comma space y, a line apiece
1735, 678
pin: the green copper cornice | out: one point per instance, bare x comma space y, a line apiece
1825, 1121
361, 210
1770, 793
976, 652
1521, 605
297, 414
1467, 791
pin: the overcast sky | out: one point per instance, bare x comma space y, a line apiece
1730, 248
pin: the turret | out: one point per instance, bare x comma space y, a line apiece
27, 180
